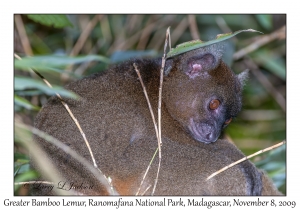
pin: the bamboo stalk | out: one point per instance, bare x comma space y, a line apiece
245, 158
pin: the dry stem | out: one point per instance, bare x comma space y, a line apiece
193, 27
224, 27
279, 34
74, 119
124, 45
34, 182
84, 35
23, 35
180, 29
67, 150
266, 84
245, 158
167, 41
153, 119
146, 190
81, 41
41, 161
157, 128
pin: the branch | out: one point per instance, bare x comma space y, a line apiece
245, 158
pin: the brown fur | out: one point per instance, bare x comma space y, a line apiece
114, 115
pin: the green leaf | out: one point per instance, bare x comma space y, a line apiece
21, 167
57, 21
265, 21
195, 44
279, 179
20, 156
23, 93
119, 56
22, 83
24, 103
271, 62
52, 62
275, 165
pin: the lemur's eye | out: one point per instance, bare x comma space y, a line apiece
214, 104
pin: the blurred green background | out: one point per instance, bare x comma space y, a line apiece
64, 48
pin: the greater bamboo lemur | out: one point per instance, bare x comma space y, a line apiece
201, 95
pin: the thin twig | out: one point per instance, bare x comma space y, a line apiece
124, 45
143, 179
23, 35
147, 98
144, 38
180, 29
153, 119
224, 27
84, 66
266, 84
40, 160
156, 42
279, 34
193, 27
146, 190
72, 116
167, 40
245, 158
134, 22
72, 153
84, 35
105, 29
81, 41
70, 113
34, 182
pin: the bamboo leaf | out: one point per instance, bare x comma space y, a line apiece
120, 56
265, 20
22, 83
195, 44
25, 103
272, 62
52, 62
57, 21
